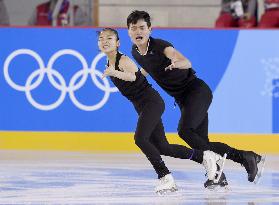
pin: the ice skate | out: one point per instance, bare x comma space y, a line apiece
250, 163
214, 185
166, 184
214, 165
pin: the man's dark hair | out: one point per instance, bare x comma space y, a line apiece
109, 29
138, 15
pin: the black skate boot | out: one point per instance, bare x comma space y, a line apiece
250, 160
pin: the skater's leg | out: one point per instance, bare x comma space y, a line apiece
202, 129
149, 116
159, 139
194, 123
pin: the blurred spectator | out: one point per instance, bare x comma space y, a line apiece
43, 14
238, 13
4, 18
270, 18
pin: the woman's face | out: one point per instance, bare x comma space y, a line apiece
139, 32
108, 42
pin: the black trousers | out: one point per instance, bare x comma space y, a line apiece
150, 135
193, 124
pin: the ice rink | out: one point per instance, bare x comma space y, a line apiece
84, 178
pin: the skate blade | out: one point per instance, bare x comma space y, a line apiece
167, 191
219, 173
218, 188
261, 169
211, 187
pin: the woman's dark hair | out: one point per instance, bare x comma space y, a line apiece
109, 29
138, 15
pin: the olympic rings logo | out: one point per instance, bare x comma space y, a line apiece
61, 85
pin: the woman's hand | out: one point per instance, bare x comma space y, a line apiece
108, 71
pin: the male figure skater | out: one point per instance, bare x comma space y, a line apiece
173, 72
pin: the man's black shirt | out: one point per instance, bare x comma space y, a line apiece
174, 81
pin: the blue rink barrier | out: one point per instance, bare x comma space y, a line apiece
50, 80
275, 106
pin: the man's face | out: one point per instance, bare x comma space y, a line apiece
139, 32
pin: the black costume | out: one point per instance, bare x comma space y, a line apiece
194, 98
